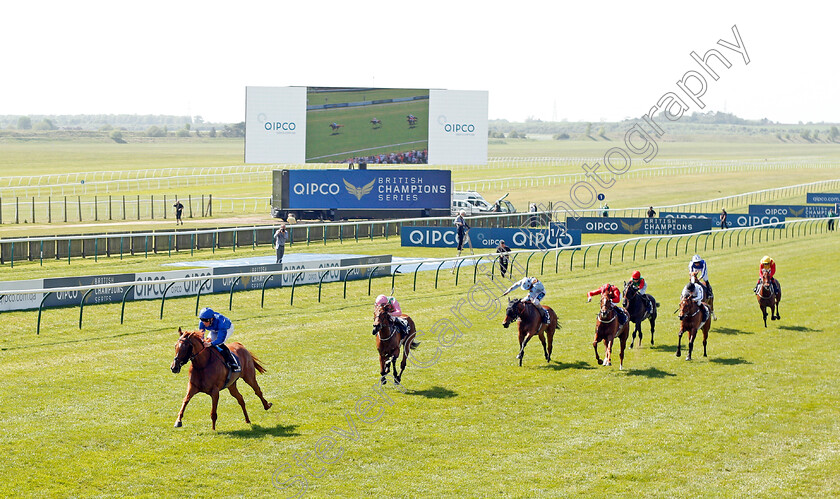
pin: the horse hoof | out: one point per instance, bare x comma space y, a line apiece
678, 353
178, 424
383, 381
268, 406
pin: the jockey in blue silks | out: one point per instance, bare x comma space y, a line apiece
218, 327
536, 292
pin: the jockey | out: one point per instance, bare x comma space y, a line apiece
639, 282
698, 265
768, 264
392, 306
536, 292
696, 294
218, 327
615, 297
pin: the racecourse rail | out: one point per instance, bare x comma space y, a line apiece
83, 246
724, 238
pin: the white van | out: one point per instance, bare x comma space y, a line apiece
473, 203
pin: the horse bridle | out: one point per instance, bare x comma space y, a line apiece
612, 308
378, 328
695, 312
193, 356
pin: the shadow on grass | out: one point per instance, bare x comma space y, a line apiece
257, 431
560, 366
730, 361
729, 330
650, 372
435, 392
801, 329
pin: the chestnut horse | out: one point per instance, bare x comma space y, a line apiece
637, 311
210, 375
530, 325
607, 329
767, 297
691, 321
388, 343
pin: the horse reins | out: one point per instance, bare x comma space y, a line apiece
193, 356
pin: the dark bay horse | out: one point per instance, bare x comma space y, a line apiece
335, 127
209, 374
375, 122
530, 325
637, 312
388, 343
691, 321
768, 298
607, 329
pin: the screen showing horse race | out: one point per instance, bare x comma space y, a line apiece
293, 125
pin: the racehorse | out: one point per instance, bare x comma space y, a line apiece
607, 329
767, 297
335, 127
708, 300
388, 343
412, 120
375, 122
210, 375
691, 321
637, 312
530, 325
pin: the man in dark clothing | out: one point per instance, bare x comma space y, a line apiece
504, 253
651, 213
179, 210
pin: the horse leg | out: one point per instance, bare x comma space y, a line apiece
778, 299
652, 320
705, 338
238, 396
764, 313
394, 367
595, 346
623, 339
522, 350
402, 364
550, 338
608, 354
679, 343
250, 378
214, 396
545, 347
691, 336
382, 372
191, 390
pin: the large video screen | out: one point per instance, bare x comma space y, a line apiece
290, 125
367, 125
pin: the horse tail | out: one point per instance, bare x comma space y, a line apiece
258, 364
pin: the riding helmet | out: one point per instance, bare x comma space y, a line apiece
636, 275
206, 313
695, 258
381, 300
766, 259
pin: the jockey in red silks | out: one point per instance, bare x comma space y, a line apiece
614, 295
392, 306
768, 264
639, 283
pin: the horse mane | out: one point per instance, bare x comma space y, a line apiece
196, 334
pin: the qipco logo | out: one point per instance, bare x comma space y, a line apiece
457, 128
276, 126
316, 188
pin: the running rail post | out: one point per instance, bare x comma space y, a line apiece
163, 298
40, 309
370, 276
292, 298
262, 299
82, 306
233, 285
321, 281
122, 307
198, 294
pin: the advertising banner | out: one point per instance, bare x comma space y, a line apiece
733, 220
74, 298
822, 197
639, 226
458, 127
791, 210
369, 189
152, 290
22, 301
275, 124
516, 238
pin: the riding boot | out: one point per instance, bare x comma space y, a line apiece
777, 288
622, 317
757, 285
546, 317
230, 360
649, 305
402, 325
705, 309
